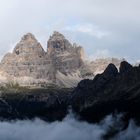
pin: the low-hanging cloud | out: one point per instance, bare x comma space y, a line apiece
69, 128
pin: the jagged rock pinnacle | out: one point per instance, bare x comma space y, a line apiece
28, 36
111, 70
124, 67
28, 44
57, 36
57, 43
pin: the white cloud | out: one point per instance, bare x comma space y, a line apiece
89, 29
100, 54
69, 128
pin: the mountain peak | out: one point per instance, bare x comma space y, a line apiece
63, 64
28, 44
125, 67
57, 36
111, 70
57, 43
28, 36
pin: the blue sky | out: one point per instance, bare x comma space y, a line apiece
105, 28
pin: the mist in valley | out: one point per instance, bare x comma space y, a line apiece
69, 128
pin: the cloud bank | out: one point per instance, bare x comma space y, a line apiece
69, 129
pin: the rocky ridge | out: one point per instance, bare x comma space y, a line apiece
63, 63
109, 92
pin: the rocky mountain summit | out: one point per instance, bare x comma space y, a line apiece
63, 63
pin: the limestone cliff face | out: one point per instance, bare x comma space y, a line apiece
62, 64
27, 59
65, 57
30, 64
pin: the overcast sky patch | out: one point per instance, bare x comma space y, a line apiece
97, 25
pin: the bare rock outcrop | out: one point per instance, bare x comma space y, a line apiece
65, 57
63, 63
27, 62
30, 64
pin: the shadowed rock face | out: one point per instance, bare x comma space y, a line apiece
125, 67
91, 100
109, 92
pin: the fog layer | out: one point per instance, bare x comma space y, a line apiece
68, 129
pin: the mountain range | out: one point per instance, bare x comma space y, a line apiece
91, 90
63, 64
